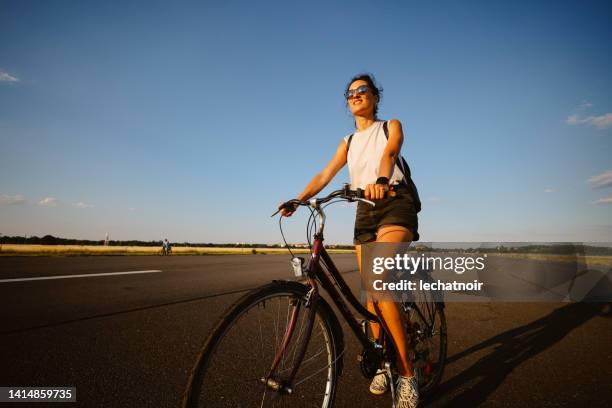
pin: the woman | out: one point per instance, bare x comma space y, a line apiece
372, 154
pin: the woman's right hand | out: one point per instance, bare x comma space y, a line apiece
287, 210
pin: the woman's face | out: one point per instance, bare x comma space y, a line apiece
362, 104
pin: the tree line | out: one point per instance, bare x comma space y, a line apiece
51, 240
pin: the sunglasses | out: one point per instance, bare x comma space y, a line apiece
360, 90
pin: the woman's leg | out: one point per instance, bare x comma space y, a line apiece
390, 310
370, 306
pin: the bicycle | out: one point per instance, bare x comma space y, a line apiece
282, 344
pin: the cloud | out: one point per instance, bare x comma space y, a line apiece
600, 122
6, 77
48, 202
81, 204
605, 200
549, 190
601, 180
434, 199
12, 200
584, 105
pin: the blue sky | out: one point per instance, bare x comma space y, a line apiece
192, 121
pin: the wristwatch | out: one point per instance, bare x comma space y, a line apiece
382, 180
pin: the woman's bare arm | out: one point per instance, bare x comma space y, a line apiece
387, 161
392, 150
322, 179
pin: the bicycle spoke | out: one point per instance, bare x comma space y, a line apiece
318, 371
263, 374
276, 326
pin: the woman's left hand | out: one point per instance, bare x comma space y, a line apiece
376, 191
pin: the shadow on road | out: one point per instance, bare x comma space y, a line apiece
510, 349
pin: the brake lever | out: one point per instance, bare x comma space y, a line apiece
372, 203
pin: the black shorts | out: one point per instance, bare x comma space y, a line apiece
398, 210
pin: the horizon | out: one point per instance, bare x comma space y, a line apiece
430, 245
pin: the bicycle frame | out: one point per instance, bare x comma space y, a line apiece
319, 263
306, 309
321, 269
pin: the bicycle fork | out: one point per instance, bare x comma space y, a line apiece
285, 386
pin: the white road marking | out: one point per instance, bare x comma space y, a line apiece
86, 275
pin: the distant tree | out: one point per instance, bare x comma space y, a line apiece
48, 240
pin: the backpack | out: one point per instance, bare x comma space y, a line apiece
401, 163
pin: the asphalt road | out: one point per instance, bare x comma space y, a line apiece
129, 340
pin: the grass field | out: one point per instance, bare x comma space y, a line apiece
92, 250
68, 250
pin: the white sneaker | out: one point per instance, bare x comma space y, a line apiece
407, 394
380, 383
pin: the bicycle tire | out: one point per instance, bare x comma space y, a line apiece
214, 382
428, 381
428, 336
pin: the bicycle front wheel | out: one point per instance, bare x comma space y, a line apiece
237, 357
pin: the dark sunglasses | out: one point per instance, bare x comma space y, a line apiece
360, 90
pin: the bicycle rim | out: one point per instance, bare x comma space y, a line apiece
242, 350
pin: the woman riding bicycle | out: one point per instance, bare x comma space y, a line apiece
372, 153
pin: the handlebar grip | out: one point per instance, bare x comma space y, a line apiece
360, 193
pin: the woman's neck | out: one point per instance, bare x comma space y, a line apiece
363, 122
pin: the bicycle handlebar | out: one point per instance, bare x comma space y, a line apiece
345, 193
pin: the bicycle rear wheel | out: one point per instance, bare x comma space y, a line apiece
240, 352
427, 332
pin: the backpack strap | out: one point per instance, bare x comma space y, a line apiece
348, 142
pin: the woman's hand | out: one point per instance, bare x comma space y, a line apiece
287, 210
376, 191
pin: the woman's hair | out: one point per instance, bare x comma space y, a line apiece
369, 79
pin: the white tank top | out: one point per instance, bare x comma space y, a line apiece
365, 152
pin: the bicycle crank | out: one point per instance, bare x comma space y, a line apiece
369, 362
